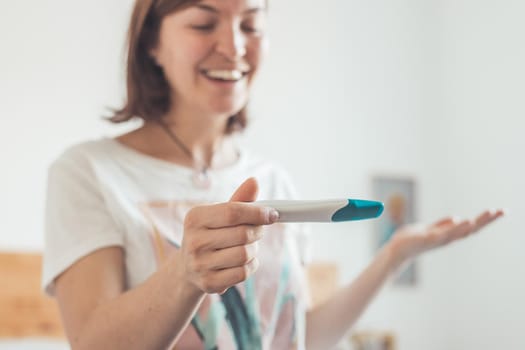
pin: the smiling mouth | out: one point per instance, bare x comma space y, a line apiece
228, 75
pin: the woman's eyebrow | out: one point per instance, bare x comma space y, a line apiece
214, 10
207, 8
254, 10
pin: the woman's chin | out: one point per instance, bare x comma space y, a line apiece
227, 108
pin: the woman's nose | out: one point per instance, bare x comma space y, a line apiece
232, 43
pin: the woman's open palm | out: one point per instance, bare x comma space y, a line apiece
412, 240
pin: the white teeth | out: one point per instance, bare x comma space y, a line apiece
232, 75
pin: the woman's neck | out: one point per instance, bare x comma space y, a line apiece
202, 135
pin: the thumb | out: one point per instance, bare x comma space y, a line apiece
247, 192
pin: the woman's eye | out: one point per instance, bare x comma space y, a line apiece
250, 29
255, 25
204, 27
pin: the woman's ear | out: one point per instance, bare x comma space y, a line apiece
154, 55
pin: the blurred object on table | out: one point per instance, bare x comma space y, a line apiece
373, 340
323, 278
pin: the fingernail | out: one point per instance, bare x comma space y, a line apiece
273, 215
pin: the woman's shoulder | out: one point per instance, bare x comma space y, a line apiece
79, 158
83, 149
82, 152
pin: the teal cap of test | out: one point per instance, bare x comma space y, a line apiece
358, 209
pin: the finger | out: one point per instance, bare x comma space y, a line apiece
233, 257
220, 280
482, 220
235, 236
487, 217
497, 213
461, 230
246, 192
445, 222
446, 235
230, 214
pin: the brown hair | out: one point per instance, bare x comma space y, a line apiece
148, 91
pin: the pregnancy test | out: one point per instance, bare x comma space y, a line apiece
332, 210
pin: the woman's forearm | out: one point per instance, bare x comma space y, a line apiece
150, 316
327, 323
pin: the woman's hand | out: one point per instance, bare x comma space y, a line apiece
411, 240
219, 248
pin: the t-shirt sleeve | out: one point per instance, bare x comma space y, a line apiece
77, 220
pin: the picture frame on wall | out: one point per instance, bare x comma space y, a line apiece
398, 193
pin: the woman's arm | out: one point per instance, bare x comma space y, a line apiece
98, 314
329, 322
218, 251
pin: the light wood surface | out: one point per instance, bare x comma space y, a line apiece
323, 278
24, 310
377, 340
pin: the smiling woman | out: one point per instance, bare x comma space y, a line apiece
193, 56
158, 52
139, 254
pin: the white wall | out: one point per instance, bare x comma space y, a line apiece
59, 70
483, 57
351, 88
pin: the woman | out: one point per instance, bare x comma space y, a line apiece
136, 253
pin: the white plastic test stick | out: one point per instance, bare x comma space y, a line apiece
331, 210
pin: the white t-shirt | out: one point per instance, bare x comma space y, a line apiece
102, 193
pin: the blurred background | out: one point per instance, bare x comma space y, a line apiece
432, 90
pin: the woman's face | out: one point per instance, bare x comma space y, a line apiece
210, 53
